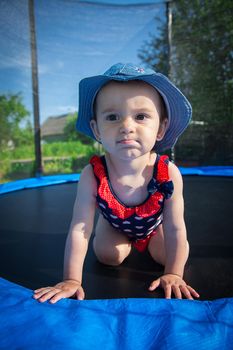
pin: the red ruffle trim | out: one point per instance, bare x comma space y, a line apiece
149, 208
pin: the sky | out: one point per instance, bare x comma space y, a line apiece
75, 39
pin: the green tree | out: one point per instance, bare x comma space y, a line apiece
201, 56
202, 41
12, 114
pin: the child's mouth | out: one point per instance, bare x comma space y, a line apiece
127, 141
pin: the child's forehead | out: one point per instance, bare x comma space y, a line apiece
127, 87
117, 93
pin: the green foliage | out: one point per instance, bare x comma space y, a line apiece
71, 133
54, 149
21, 152
201, 57
12, 114
17, 146
203, 60
66, 165
22, 169
58, 157
202, 38
70, 148
56, 166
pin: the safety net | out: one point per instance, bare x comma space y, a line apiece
188, 41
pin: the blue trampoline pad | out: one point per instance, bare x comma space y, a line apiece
38, 182
66, 178
208, 171
113, 324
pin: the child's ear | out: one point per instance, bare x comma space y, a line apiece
95, 129
162, 129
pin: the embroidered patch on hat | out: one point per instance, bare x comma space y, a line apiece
139, 70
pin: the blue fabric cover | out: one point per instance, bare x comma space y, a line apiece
208, 170
115, 324
38, 182
59, 179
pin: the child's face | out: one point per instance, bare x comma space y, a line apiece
128, 119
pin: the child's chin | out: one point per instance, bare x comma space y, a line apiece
129, 154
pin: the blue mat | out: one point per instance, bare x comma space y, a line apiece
59, 179
38, 182
115, 324
208, 170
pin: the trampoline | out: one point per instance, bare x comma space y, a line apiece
34, 223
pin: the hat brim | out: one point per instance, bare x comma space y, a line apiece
178, 107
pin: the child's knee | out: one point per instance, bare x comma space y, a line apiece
110, 260
111, 256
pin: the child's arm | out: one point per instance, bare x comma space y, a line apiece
76, 244
176, 245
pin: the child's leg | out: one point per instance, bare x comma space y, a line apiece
111, 246
156, 246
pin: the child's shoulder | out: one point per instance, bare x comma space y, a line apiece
87, 178
174, 173
87, 173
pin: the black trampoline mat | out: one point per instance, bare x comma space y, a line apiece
34, 224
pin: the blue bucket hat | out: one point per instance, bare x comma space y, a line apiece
179, 110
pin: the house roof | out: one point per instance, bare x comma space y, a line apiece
54, 125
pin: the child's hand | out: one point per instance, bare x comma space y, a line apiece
174, 284
66, 289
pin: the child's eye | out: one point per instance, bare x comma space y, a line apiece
112, 117
141, 117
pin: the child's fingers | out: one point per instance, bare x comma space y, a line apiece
58, 296
155, 284
66, 294
80, 295
168, 291
177, 292
40, 292
41, 289
47, 295
54, 294
186, 292
193, 292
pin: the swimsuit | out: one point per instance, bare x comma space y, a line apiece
138, 222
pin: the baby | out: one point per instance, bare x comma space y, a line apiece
135, 114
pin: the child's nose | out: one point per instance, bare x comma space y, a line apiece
127, 125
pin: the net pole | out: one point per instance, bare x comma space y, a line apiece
169, 43
35, 91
